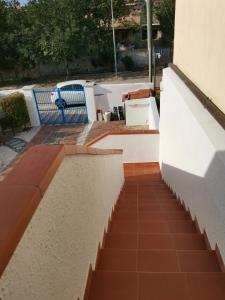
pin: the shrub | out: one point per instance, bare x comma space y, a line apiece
128, 62
15, 114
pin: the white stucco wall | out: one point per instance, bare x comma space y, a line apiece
142, 112
110, 95
192, 156
199, 45
31, 105
137, 148
137, 112
52, 259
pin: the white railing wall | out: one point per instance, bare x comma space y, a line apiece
192, 156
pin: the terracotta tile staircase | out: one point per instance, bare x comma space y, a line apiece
152, 250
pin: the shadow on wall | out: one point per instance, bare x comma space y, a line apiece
204, 196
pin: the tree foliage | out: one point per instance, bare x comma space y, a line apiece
56, 31
165, 13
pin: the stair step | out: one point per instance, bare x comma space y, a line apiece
117, 260
160, 286
198, 286
163, 216
155, 241
113, 286
150, 216
171, 241
121, 241
158, 260
128, 226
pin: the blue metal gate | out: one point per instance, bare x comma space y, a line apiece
61, 106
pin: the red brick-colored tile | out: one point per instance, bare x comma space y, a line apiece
162, 216
163, 287
198, 261
181, 227
205, 286
152, 227
171, 207
113, 286
117, 260
121, 241
123, 227
44, 159
149, 207
155, 241
122, 215
17, 207
189, 242
157, 261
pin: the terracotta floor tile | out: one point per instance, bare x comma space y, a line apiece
155, 241
121, 241
181, 227
149, 207
129, 194
123, 216
198, 261
152, 227
117, 260
126, 205
171, 207
125, 208
163, 216
205, 286
189, 242
113, 286
157, 261
162, 287
123, 227
127, 201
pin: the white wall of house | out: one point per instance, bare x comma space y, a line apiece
52, 259
136, 147
199, 45
192, 156
109, 95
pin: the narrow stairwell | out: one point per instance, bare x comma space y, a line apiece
152, 250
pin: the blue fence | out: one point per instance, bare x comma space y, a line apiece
61, 106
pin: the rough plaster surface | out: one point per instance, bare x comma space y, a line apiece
137, 148
192, 156
199, 45
52, 259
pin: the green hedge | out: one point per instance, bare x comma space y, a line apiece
14, 112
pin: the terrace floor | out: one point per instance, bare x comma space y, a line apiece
71, 134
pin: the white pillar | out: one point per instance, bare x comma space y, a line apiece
153, 115
90, 101
31, 105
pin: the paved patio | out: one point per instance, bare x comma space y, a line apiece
70, 134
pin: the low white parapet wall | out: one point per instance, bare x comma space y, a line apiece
142, 112
53, 256
192, 156
138, 146
109, 95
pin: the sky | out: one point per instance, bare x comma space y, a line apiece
23, 1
